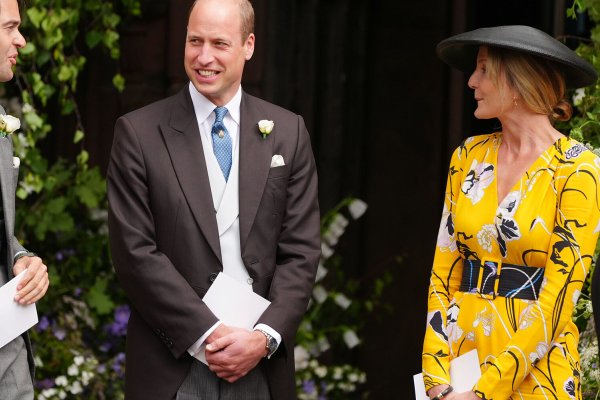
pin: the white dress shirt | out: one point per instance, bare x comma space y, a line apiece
225, 196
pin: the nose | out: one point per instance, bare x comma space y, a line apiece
19, 40
473, 80
205, 55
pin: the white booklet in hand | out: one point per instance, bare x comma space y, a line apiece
14, 317
464, 374
233, 304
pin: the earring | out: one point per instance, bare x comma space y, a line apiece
515, 102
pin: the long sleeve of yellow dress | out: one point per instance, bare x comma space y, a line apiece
444, 281
527, 348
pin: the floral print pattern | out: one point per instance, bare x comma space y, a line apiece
507, 227
446, 241
477, 180
549, 219
574, 151
486, 236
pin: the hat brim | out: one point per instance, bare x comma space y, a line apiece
460, 51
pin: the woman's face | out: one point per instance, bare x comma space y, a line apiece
492, 101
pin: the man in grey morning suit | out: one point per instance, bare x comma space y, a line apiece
195, 189
16, 360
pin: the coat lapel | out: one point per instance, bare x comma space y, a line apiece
182, 138
8, 193
255, 161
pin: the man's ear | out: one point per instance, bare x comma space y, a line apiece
249, 45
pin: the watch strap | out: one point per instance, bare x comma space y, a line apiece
271, 344
444, 393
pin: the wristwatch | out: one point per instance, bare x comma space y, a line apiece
271, 345
444, 393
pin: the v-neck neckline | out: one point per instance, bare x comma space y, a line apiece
545, 155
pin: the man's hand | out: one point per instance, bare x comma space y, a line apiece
234, 355
222, 330
34, 284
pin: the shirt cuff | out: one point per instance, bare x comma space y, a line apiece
193, 349
270, 331
22, 253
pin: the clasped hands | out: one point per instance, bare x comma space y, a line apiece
34, 283
233, 352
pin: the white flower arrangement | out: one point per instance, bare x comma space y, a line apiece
333, 319
78, 377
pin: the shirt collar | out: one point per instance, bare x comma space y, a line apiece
204, 107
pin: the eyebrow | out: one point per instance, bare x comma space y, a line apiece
12, 22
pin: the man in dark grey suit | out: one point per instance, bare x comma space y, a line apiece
195, 188
16, 361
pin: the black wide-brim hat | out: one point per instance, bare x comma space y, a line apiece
460, 51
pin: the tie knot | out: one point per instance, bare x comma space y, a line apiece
220, 113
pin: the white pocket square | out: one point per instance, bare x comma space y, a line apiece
277, 161
16, 162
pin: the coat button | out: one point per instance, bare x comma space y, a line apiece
212, 277
250, 281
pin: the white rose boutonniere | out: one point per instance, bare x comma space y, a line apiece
265, 127
8, 124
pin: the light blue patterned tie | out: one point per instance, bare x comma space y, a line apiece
221, 142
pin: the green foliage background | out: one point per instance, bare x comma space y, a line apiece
61, 207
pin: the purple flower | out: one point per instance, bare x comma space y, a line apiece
62, 254
60, 333
308, 386
323, 391
45, 383
105, 347
43, 324
77, 292
119, 327
122, 314
118, 363
101, 368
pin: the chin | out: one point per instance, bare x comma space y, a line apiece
6, 76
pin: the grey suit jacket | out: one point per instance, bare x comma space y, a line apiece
9, 177
165, 244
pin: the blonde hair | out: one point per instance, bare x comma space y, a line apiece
539, 83
247, 14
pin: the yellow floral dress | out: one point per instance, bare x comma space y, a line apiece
527, 348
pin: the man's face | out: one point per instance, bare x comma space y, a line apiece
214, 51
10, 38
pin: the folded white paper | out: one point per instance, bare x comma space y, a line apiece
233, 304
14, 317
464, 374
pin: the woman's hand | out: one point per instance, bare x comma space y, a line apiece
434, 391
462, 396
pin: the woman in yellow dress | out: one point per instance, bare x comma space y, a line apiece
519, 225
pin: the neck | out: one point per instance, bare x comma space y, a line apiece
524, 132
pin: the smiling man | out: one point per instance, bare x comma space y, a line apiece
196, 188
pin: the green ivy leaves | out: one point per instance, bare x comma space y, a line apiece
61, 212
